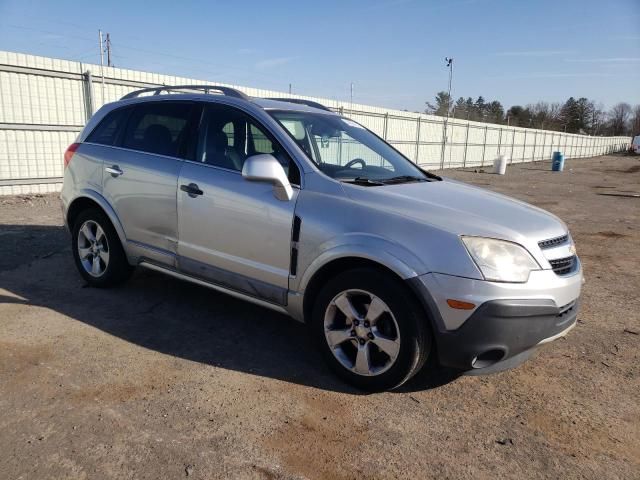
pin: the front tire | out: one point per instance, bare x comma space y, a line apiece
97, 251
370, 329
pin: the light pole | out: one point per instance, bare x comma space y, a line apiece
449, 65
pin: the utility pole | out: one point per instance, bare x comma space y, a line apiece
449, 65
101, 61
109, 64
289, 89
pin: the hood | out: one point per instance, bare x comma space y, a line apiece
462, 209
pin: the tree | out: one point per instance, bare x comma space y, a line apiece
494, 112
635, 121
471, 109
555, 122
569, 115
480, 108
583, 114
519, 116
618, 118
597, 118
442, 105
460, 108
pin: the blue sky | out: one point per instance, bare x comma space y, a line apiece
517, 52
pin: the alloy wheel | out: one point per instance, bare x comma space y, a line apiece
362, 332
93, 248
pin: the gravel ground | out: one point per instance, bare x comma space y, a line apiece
163, 379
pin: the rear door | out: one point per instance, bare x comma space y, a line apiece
234, 232
141, 174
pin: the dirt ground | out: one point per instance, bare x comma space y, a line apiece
163, 379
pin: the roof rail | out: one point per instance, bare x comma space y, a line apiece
231, 92
300, 101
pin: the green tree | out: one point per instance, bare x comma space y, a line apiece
480, 108
520, 116
569, 116
460, 108
441, 106
471, 109
494, 112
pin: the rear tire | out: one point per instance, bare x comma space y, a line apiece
382, 340
97, 251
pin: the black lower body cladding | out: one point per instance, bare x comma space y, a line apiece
501, 334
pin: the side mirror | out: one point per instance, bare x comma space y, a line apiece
265, 168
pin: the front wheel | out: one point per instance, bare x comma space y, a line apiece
370, 329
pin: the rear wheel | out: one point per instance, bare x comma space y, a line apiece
97, 250
370, 329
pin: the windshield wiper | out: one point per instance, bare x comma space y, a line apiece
362, 181
404, 178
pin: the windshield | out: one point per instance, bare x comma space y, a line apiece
345, 150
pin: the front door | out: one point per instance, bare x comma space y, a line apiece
231, 231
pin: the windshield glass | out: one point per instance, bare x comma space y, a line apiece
345, 150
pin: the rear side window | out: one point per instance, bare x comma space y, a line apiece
159, 128
107, 130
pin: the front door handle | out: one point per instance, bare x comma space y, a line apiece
114, 170
192, 190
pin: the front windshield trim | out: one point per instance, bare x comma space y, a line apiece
382, 162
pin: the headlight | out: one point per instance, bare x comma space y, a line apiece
499, 260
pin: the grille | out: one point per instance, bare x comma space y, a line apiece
553, 242
562, 266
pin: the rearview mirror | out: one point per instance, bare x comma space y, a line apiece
265, 168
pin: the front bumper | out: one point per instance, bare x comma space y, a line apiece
509, 322
503, 333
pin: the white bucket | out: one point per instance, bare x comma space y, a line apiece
500, 165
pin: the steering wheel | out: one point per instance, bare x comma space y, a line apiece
354, 161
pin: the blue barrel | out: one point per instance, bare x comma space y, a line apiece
557, 162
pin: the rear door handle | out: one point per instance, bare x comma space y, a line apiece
114, 170
192, 190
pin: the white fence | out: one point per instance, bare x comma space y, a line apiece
45, 102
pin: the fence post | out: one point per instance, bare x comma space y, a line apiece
444, 144
500, 142
418, 140
524, 146
386, 124
535, 141
466, 143
513, 141
88, 95
484, 146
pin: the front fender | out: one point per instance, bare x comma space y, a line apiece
366, 246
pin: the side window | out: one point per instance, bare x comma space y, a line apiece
228, 130
259, 141
158, 128
107, 130
229, 136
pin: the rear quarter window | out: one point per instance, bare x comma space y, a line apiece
108, 129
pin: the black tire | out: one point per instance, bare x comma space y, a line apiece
414, 331
117, 270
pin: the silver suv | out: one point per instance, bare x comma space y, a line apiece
288, 205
